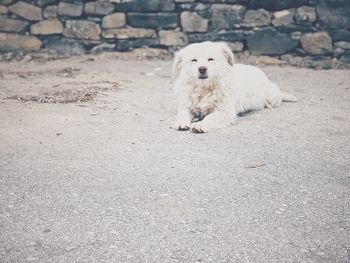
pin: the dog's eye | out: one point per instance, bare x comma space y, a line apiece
194, 60
210, 59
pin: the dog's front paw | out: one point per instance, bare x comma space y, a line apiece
199, 127
181, 126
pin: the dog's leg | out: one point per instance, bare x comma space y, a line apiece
213, 121
183, 119
183, 116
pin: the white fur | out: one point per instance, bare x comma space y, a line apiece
229, 88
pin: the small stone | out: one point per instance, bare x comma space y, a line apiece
3, 10
98, 8
50, 11
82, 29
12, 25
226, 16
162, 20
47, 27
319, 43
342, 44
296, 35
236, 46
114, 20
125, 33
283, 18
255, 18
337, 52
292, 60
192, 22
27, 11
103, 48
172, 38
13, 42
70, 9
305, 14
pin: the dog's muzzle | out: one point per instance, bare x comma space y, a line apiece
202, 72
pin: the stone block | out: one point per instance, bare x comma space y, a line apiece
43, 3
125, 44
70, 9
277, 5
283, 18
340, 35
114, 20
270, 42
6, 2
226, 16
345, 58
201, 37
98, 8
27, 11
64, 46
82, 29
305, 14
319, 43
342, 44
146, 6
3, 10
14, 42
192, 22
172, 38
47, 27
50, 11
236, 46
256, 18
152, 20
232, 36
13, 25
334, 14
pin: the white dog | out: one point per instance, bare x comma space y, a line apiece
211, 90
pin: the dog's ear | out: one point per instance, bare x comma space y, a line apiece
177, 65
228, 54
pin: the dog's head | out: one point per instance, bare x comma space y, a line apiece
203, 61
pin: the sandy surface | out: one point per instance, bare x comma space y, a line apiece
104, 178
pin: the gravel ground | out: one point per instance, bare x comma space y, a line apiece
90, 170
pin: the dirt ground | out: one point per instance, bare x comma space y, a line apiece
91, 170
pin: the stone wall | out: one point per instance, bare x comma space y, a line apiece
318, 28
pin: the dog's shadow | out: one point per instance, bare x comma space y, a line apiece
246, 113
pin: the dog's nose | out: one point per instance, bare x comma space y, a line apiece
202, 69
